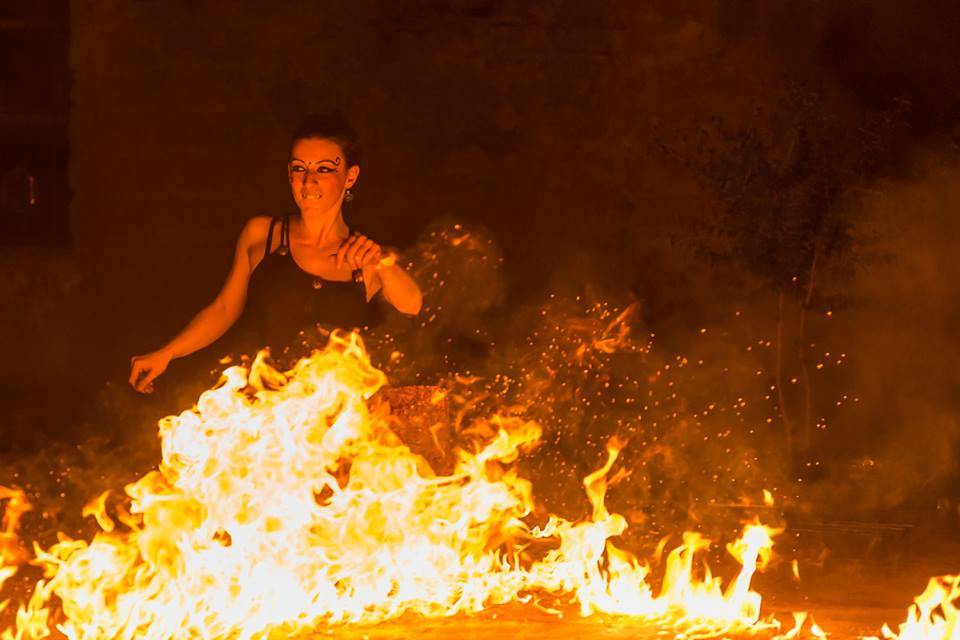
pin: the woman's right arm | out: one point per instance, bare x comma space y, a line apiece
212, 321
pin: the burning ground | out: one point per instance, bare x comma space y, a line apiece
283, 503
288, 502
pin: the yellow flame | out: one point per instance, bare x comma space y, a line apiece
12, 554
98, 509
816, 631
799, 618
933, 615
282, 502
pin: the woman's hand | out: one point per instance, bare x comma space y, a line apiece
357, 251
145, 369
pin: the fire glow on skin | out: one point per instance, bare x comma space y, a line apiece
318, 178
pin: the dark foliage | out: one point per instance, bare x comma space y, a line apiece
784, 184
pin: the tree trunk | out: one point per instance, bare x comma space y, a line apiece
804, 351
778, 373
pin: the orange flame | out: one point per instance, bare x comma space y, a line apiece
283, 502
12, 554
934, 614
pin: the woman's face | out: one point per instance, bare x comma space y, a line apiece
319, 174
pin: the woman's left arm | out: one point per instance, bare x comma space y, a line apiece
380, 272
399, 288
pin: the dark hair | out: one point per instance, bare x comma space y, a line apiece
330, 126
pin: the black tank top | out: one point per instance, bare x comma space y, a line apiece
290, 310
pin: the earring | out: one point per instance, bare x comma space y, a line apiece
348, 196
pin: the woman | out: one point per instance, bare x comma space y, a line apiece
291, 273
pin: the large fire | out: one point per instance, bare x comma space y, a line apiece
284, 503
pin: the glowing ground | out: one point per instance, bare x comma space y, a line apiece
524, 623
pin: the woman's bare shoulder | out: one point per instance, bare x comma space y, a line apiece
257, 227
253, 239
254, 231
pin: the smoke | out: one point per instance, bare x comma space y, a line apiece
688, 376
898, 448
581, 359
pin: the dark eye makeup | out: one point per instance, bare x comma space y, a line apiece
298, 168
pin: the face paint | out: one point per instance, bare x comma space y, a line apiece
316, 181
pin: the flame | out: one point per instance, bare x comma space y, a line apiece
933, 615
284, 502
621, 588
799, 618
816, 631
12, 554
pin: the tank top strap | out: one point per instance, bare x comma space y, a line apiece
284, 247
269, 243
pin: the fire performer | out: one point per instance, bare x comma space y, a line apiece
292, 273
